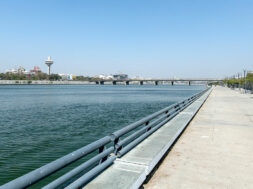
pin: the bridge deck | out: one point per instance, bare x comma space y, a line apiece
216, 150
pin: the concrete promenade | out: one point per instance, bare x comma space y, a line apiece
216, 149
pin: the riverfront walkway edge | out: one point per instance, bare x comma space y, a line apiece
216, 149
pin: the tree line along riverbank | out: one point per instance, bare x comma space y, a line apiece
41, 77
242, 82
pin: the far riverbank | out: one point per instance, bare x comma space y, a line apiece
65, 82
43, 82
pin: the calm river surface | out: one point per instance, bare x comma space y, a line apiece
39, 123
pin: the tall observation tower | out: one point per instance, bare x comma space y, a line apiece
49, 62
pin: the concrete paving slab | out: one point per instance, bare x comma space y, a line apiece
216, 149
120, 175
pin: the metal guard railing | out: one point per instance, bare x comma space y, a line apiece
131, 135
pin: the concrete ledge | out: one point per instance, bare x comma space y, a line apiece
131, 170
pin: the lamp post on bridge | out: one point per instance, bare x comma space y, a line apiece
244, 73
239, 82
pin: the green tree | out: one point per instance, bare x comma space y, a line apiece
54, 77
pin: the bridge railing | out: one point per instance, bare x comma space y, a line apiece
109, 147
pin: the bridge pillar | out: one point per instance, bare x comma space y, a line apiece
189, 83
97, 82
101, 82
156, 82
127, 82
141, 82
114, 82
172, 83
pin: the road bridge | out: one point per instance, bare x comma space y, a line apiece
155, 81
110, 82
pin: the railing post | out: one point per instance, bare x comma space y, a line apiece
168, 115
100, 150
116, 146
148, 128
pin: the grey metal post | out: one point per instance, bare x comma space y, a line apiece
244, 72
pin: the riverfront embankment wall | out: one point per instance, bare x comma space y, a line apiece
44, 82
104, 82
48, 82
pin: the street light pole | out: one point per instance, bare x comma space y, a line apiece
244, 72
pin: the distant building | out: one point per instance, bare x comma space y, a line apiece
120, 76
14, 71
67, 77
35, 70
105, 77
21, 70
101, 76
109, 77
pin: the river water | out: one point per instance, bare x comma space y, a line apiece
39, 123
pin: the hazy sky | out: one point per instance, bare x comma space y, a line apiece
161, 39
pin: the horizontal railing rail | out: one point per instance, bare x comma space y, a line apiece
147, 126
109, 148
48, 169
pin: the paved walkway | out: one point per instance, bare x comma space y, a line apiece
216, 149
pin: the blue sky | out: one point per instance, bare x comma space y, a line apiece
159, 39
